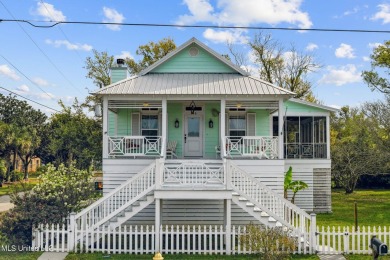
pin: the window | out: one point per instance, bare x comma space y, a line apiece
149, 125
237, 125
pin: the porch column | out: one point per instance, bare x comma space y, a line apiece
222, 127
105, 127
280, 129
164, 125
228, 224
327, 137
157, 224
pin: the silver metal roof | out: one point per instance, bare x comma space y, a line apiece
190, 84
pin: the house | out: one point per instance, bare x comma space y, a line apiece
194, 140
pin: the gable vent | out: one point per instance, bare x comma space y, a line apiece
193, 51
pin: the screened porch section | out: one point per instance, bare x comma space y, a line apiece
305, 137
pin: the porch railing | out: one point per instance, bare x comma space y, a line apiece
263, 147
135, 145
188, 173
306, 150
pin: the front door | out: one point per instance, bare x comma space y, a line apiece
193, 136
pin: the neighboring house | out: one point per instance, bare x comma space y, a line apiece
32, 167
194, 140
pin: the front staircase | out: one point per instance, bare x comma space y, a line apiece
124, 202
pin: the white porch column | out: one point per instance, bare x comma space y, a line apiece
327, 137
228, 224
280, 129
222, 127
164, 125
157, 224
105, 127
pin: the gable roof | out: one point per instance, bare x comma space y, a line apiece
201, 45
193, 84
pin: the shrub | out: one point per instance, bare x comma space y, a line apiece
270, 243
59, 192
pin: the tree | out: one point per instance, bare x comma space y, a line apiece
59, 192
354, 147
286, 69
294, 186
380, 59
98, 67
74, 137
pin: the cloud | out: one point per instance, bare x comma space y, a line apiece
124, 55
69, 45
220, 36
373, 45
383, 14
112, 16
49, 13
44, 96
40, 82
345, 51
8, 72
341, 76
311, 47
365, 58
246, 12
23, 88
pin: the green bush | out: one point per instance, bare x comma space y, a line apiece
59, 192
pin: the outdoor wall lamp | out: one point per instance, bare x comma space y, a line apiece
211, 123
176, 123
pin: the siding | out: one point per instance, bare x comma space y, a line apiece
175, 111
112, 122
124, 122
293, 107
183, 62
118, 73
262, 122
303, 170
211, 135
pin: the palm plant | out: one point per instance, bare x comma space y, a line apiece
294, 186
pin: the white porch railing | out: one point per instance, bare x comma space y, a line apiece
117, 200
306, 150
135, 145
263, 147
272, 203
193, 173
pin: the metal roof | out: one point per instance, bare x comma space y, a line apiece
193, 84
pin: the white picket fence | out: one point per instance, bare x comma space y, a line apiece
193, 239
337, 240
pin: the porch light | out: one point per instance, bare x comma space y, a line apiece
211, 123
192, 107
238, 105
176, 123
145, 104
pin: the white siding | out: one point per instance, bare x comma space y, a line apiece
303, 170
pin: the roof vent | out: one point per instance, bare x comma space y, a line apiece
120, 62
193, 51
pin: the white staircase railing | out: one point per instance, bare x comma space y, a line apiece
193, 173
117, 200
269, 201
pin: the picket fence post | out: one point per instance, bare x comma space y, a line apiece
71, 232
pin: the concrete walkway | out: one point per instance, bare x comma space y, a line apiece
5, 203
52, 256
331, 257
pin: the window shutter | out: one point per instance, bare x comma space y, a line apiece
160, 124
251, 124
135, 124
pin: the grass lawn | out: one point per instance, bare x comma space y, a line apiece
365, 257
8, 188
373, 209
176, 257
19, 255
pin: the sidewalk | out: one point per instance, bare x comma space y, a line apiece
52, 256
331, 257
5, 203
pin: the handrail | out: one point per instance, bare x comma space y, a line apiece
268, 200
259, 146
131, 145
117, 199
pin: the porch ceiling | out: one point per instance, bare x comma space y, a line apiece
193, 84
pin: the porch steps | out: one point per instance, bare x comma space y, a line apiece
130, 211
256, 212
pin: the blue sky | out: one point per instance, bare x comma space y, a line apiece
53, 59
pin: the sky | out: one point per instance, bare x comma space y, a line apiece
47, 64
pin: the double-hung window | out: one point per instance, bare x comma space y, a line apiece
237, 125
149, 125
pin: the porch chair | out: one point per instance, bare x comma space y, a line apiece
171, 148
